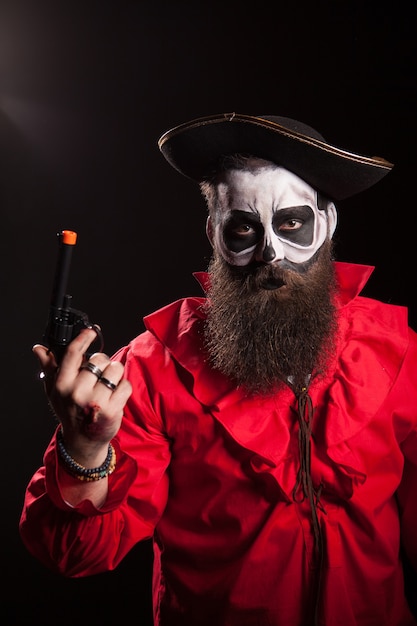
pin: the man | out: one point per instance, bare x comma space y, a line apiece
265, 436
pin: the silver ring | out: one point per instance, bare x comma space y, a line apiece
107, 383
92, 368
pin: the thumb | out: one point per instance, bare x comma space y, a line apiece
46, 360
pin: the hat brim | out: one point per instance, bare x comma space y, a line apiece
194, 150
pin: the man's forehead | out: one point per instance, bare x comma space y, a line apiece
268, 184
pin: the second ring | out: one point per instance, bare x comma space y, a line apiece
107, 383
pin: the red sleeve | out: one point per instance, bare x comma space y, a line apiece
82, 540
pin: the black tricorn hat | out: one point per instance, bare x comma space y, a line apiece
195, 148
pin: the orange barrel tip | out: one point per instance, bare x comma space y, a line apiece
69, 237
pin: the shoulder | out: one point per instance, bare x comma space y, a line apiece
173, 329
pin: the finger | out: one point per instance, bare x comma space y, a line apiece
92, 370
98, 359
73, 358
48, 364
107, 378
44, 356
112, 374
106, 389
122, 394
119, 397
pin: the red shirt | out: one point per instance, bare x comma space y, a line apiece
210, 475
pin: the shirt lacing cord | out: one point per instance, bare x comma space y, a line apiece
305, 413
304, 487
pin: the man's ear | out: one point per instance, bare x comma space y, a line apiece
331, 218
209, 231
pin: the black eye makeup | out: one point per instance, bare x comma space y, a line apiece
295, 224
242, 230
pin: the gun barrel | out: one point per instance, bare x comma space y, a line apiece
68, 239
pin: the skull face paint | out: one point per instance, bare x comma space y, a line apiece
267, 215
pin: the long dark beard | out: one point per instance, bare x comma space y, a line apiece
259, 337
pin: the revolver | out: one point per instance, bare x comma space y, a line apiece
65, 323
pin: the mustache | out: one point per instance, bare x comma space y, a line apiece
268, 277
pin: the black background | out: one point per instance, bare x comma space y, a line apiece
86, 89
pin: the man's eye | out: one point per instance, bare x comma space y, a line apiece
293, 224
242, 230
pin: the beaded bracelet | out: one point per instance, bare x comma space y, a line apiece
87, 474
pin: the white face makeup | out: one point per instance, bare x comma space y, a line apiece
269, 215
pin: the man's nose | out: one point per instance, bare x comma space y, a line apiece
268, 252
